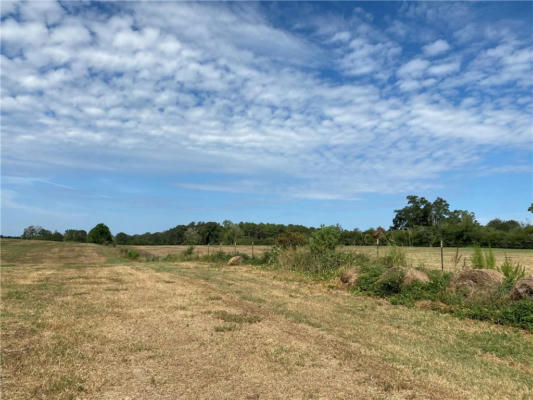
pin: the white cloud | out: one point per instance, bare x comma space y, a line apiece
444, 68
30, 33
194, 87
414, 68
437, 47
341, 36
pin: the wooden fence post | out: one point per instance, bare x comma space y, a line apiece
442, 255
252, 249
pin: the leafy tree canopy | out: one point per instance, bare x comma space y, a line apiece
421, 212
100, 234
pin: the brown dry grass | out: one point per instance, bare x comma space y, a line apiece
195, 331
430, 256
16, 251
201, 250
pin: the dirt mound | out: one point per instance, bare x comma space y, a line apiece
349, 277
237, 260
404, 276
413, 275
472, 281
523, 289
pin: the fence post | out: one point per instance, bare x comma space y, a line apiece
208, 249
235, 248
252, 249
377, 247
442, 255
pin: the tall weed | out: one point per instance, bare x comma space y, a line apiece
483, 259
512, 272
395, 257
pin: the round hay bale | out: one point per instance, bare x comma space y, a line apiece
403, 276
349, 277
473, 281
413, 275
237, 260
523, 289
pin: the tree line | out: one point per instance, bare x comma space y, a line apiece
420, 223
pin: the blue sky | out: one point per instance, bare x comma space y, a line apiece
148, 115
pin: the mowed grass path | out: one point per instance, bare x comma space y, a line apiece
117, 329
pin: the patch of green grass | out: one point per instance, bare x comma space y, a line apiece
17, 295
64, 387
502, 345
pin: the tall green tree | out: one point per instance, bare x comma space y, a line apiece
100, 234
421, 212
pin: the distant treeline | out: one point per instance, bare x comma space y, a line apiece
420, 223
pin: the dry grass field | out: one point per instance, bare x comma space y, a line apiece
428, 256
79, 322
202, 250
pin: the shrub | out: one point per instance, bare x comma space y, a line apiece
270, 256
512, 272
325, 239
291, 239
369, 274
389, 282
324, 264
189, 251
132, 254
100, 234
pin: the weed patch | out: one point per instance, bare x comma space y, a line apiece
495, 307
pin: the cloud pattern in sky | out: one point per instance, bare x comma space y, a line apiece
304, 101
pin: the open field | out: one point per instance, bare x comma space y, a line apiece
428, 256
202, 250
80, 322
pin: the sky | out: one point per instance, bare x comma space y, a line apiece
146, 115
